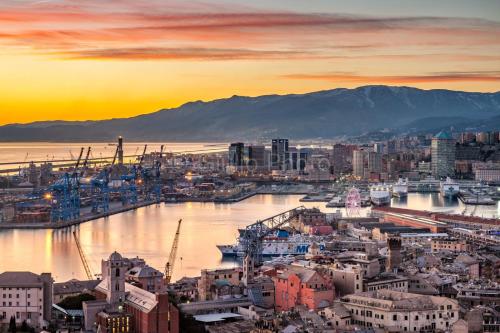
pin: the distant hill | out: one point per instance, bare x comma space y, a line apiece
322, 114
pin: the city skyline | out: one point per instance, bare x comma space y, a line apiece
75, 61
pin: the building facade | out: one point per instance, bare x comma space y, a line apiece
26, 296
443, 155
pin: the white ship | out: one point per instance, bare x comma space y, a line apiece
449, 188
400, 189
276, 246
380, 195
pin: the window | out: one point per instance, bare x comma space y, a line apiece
117, 272
394, 317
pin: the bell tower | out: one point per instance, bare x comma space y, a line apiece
115, 272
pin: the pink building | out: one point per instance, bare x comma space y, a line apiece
302, 286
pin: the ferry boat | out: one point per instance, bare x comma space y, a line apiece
277, 245
449, 188
400, 189
380, 195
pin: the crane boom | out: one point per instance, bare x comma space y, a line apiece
86, 266
169, 267
85, 162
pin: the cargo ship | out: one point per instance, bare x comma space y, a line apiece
276, 245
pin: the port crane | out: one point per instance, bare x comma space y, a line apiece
128, 189
64, 195
253, 235
83, 257
169, 267
152, 179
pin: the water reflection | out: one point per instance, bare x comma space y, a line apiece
148, 232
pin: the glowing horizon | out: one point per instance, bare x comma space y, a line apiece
71, 60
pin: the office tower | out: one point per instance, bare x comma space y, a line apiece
358, 163
255, 157
279, 154
236, 151
374, 162
443, 155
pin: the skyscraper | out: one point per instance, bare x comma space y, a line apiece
443, 155
236, 154
279, 154
374, 162
358, 163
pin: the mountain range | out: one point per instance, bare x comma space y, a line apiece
324, 114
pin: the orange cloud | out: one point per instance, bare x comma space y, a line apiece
109, 25
493, 76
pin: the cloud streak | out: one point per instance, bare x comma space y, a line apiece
481, 76
77, 27
153, 53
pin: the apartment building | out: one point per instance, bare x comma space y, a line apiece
26, 296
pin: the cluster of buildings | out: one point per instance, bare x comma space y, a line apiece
467, 155
397, 271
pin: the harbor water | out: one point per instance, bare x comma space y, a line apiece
148, 233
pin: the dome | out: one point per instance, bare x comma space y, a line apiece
115, 256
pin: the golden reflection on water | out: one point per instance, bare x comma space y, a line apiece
148, 233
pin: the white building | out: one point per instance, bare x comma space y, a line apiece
395, 311
26, 297
487, 172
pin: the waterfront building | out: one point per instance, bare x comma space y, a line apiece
358, 163
396, 311
123, 307
298, 158
26, 296
443, 155
236, 154
255, 157
279, 154
487, 172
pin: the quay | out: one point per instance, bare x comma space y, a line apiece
65, 224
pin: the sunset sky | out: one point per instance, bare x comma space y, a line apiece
98, 59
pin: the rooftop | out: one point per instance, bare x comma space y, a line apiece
20, 279
443, 136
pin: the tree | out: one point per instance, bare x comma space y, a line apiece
24, 326
12, 325
75, 302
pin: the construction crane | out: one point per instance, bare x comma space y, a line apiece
86, 266
169, 267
